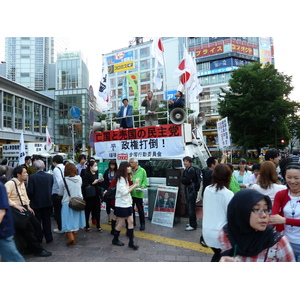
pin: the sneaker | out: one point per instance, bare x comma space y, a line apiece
56, 230
190, 228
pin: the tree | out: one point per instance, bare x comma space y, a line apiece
257, 105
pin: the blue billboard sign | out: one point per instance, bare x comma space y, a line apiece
119, 57
169, 95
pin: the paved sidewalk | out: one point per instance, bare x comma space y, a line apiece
156, 244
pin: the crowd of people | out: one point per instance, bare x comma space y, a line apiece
28, 202
248, 214
261, 220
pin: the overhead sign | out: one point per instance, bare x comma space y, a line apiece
121, 67
119, 57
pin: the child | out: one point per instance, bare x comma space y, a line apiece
255, 173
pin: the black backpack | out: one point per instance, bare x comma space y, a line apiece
198, 178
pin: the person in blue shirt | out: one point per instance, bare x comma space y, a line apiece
8, 249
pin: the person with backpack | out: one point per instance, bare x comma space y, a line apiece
188, 180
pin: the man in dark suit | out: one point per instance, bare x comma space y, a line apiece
125, 113
39, 191
178, 102
152, 107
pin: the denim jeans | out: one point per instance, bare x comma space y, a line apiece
296, 249
9, 251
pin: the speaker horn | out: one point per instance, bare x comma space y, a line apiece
177, 116
99, 126
197, 119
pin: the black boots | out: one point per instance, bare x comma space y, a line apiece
131, 242
116, 240
113, 226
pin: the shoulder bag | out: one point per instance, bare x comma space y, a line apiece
76, 203
90, 191
21, 218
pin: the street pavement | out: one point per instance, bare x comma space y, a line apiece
156, 244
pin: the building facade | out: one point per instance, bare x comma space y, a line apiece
72, 90
22, 109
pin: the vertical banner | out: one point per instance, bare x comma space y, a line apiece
133, 80
22, 150
49, 143
223, 133
164, 207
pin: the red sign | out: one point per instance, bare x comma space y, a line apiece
122, 156
209, 51
151, 132
242, 49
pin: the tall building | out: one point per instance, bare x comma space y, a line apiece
28, 59
72, 90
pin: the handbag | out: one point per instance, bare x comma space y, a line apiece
76, 203
90, 191
21, 218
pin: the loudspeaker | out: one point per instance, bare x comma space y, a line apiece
177, 116
99, 126
197, 119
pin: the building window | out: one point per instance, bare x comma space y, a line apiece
36, 117
145, 64
144, 52
145, 76
18, 113
28, 115
7, 110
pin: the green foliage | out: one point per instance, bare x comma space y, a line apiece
257, 106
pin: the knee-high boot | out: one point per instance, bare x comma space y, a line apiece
131, 242
113, 226
70, 237
116, 240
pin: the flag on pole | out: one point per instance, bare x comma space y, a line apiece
22, 152
157, 51
185, 71
48, 140
104, 85
133, 80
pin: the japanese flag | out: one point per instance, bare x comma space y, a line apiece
48, 141
157, 50
186, 71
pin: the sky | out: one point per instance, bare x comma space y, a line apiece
86, 26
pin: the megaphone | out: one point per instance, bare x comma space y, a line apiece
177, 116
197, 119
99, 126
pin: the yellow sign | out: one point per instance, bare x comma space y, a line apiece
128, 65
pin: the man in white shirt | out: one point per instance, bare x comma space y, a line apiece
58, 172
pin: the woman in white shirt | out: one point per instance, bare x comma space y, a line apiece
267, 182
215, 200
242, 175
123, 205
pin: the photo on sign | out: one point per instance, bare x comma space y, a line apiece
165, 205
